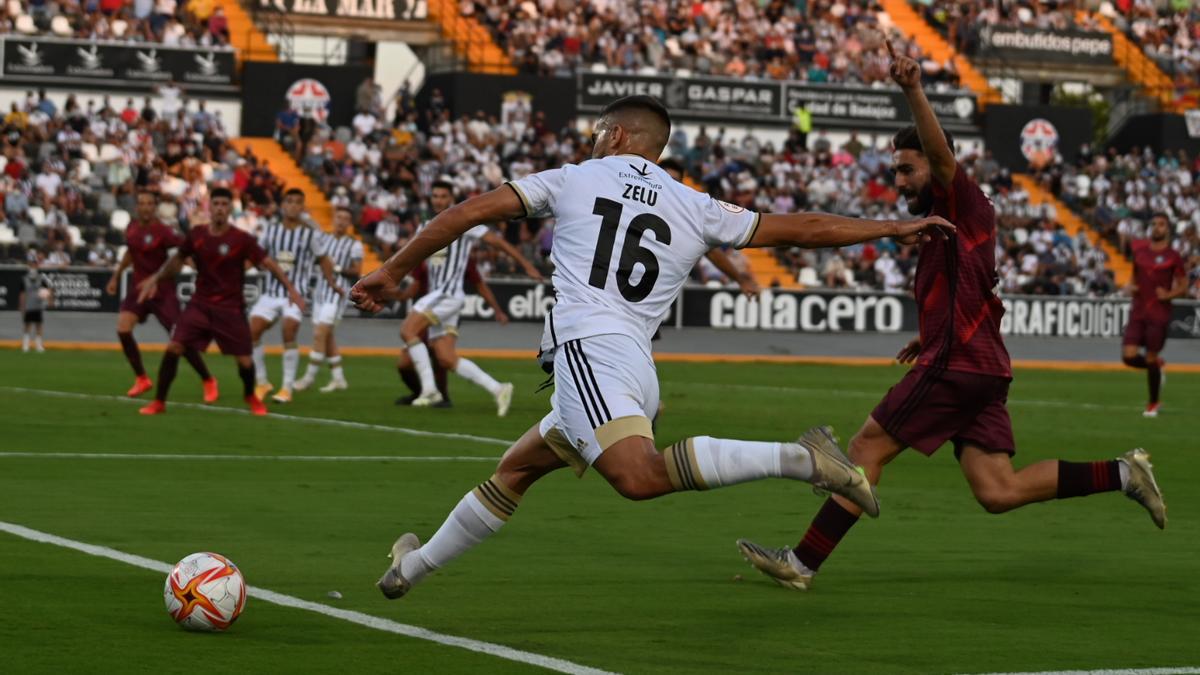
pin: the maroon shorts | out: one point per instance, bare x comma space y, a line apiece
1146, 333
200, 324
926, 408
164, 307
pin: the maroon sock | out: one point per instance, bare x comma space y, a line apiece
1077, 479
411, 379
1155, 374
132, 353
166, 375
827, 529
247, 375
197, 362
1138, 361
441, 380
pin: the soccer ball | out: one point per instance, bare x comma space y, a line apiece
205, 592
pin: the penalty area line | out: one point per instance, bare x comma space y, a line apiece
348, 424
1186, 670
359, 618
246, 458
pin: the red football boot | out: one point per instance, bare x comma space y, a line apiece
140, 386
256, 405
211, 393
155, 407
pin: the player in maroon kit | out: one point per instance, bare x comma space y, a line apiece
148, 243
1159, 276
959, 386
217, 310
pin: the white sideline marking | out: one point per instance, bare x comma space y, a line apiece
1187, 670
378, 623
279, 416
277, 458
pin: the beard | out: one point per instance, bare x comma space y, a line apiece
924, 204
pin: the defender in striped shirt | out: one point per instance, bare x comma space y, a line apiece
438, 310
297, 247
329, 302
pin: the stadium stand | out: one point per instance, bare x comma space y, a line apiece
834, 42
171, 23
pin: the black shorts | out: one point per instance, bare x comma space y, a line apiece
33, 316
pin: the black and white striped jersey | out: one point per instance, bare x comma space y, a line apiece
448, 267
296, 251
342, 251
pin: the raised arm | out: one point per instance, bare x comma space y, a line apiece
122, 265
907, 73
823, 230
511, 251
498, 205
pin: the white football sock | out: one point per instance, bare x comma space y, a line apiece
37, 343
479, 514
335, 365
704, 463
291, 361
315, 359
474, 373
25, 342
419, 354
260, 363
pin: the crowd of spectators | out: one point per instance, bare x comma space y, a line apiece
383, 172
1169, 32
70, 172
1119, 192
963, 22
819, 41
183, 23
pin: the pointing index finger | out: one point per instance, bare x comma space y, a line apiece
888, 42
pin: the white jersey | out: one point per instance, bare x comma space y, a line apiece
448, 267
295, 250
626, 237
343, 252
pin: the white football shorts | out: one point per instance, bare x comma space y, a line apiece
605, 390
329, 312
271, 308
443, 311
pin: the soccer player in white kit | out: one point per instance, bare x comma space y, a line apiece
329, 302
296, 246
626, 237
437, 311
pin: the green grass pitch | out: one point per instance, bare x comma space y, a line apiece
934, 585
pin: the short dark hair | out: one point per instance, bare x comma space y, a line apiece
293, 191
221, 192
640, 101
1161, 214
908, 139
444, 184
347, 209
672, 164
153, 194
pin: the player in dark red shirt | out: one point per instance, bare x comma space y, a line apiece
1159, 275
148, 242
958, 388
217, 309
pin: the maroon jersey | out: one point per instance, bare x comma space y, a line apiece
1153, 270
221, 264
957, 309
148, 245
